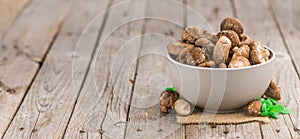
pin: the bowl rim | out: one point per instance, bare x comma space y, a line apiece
225, 69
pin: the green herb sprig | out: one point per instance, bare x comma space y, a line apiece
271, 108
171, 89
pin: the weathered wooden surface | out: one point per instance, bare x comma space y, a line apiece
109, 85
153, 73
102, 106
287, 16
9, 10
17, 66
47, 107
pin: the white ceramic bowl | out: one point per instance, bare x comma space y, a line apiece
222, 89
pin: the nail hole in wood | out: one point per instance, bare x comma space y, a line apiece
11, 91
34, 130
82, 131
131, 81
226, 131
213, 126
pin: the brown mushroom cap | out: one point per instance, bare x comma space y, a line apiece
182, 107
254, 108
204, 42
221, 50
191, 34
239, 61
175, 47
242, 51
258, 53
273, 91
234, 38
167, 101
232, 24
245, 40
210, 64
222, 65
185, 57
198, 55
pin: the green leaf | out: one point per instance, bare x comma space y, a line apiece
274, 101
273, 115
171, 89
262, 100
276, 108
286, 111
264, 107
264, 113
268, 102
271, 108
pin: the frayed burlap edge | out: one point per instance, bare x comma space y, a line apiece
199, 117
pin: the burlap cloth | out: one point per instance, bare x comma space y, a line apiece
200, 117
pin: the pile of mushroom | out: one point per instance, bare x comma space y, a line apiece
229, 48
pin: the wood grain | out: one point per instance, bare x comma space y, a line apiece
213, 12
145, 119
206, 131
102, 106
9, 10
17, 68
287, 16
36, 27
284, 73
48, 104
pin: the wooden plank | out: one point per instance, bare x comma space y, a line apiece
249, 130
287, 16
285, 74
206, 131
102, 106
16, 66
213, 12
36, 26
48, 104
9, 10
162, 27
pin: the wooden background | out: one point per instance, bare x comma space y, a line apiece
49, 88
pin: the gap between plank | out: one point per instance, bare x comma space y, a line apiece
90, 61
18, 15
261, 133
137, 65
40, 65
